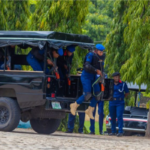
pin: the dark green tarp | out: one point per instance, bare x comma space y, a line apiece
40, 38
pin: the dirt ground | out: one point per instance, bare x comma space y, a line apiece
26, 139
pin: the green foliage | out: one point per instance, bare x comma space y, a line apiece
58, 15
130, 101
3, 11
148, 105
114, 43
18, 14
78, 59
136, 35
106, 108
98, 21
128, 42
32, 2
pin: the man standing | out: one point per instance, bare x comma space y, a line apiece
71, 122
100, 109
116, 107
101, 117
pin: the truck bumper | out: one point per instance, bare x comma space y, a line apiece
64, 104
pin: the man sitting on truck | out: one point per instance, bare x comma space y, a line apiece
1, 58
35, 58
64, 62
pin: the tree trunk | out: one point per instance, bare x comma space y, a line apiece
148, 125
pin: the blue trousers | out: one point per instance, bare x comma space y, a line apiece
101, 117
35, 64
72, 119
116, 112
87, 88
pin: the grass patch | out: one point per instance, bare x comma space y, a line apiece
87, 125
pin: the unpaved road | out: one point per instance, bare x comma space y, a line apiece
22, 139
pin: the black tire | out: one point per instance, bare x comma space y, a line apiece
45, 126
9, 114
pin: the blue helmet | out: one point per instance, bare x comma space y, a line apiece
60, 52
71, 48
100, 47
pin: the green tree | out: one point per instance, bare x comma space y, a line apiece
17, 15
136, 35
3, 10
114, 43
97, 24
58, 15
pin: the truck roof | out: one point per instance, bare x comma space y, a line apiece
54, 39
136, 87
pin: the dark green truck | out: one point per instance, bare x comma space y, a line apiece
34, 95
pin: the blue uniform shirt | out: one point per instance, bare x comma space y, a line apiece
119, 92
89, 58
41, 51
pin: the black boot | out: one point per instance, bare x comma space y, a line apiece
101, 133
69, 131
92, 133
119, 134
112, 134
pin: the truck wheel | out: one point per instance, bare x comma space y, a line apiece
45, 126
9, 114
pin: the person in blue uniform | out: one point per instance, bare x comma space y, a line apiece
64, 66
101, 117
71, 122
92, 68
100, 111
1, 58
64, 62
35, 58
116, 107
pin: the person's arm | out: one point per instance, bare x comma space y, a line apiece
37, 55
60, 61
88, 67
49, 62
126, 90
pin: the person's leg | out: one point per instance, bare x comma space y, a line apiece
120, 110
62, 76
112, 111
96, 90
71, 120
101, 115
81, 121
92, 122
32, 61
86, 83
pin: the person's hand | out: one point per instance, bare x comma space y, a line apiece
99, 72
65, 66
49, 62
